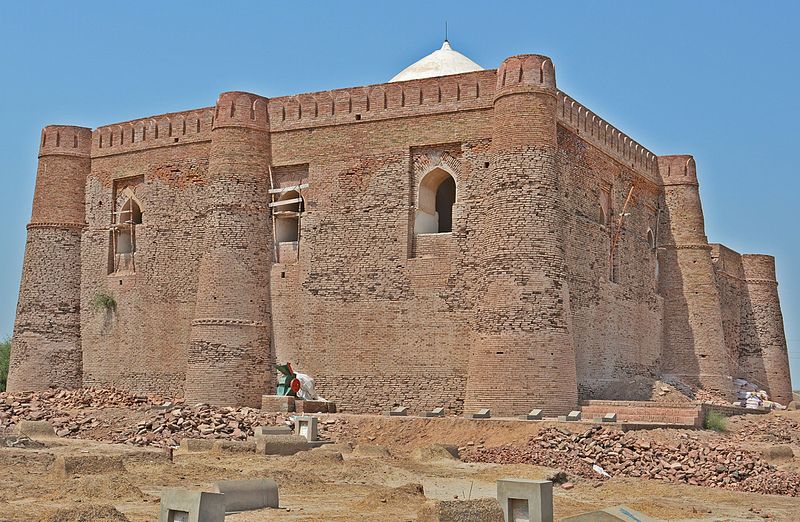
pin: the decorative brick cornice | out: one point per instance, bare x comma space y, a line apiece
71, 226
221, 321
761, 282
688, 247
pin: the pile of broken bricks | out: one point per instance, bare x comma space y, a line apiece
74, 414
686, 461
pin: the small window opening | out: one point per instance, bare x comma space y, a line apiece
124, 235
604, 206
651, 240
287, 222
437, 195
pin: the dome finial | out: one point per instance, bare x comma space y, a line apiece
445, 32
441, 62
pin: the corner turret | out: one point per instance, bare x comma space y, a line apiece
765, 357
694, 342
523, 331
46, 347
231, 358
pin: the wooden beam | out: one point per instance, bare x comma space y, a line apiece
285, 202
288, 189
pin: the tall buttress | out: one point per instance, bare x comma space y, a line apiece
523, 353
231, 357
46, 347
694, 343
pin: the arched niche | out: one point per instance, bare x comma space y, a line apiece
287, 217
435, 199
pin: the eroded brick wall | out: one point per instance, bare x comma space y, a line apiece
617, 325
46, 347
516, 308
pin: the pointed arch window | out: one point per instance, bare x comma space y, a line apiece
435, 200
123, 230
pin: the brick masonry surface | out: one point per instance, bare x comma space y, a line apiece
522, 305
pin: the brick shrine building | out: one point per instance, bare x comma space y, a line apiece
456, 237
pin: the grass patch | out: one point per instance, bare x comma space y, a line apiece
5, 354
103, 301
715, 421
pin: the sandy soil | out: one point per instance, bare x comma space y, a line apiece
321, 485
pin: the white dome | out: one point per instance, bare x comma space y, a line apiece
443, 62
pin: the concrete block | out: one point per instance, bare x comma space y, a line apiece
246, 495
574, 416
482, 510
34, 429
67, 466
180, 505
525, 500
400, 411
612, 514
273, 430
234, 446
281, 444
306, 426
484, 413
279, 403
436, 412
610, 417
189, 445
310, 406
534, 415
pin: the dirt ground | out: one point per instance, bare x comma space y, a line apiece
339, 484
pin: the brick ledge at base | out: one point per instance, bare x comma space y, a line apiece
222, 321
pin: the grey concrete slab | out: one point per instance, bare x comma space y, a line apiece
534, 415
525, 500
484, 413
610, 417
400, 411
181, 505
612, 514
281, 444
273, 430
306, 426
247, 495
573, 416
436, 412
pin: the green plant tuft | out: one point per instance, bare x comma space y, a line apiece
103, 301
715, 421
5, 354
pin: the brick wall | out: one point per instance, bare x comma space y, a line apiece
514, 309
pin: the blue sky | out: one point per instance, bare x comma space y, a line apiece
717, 79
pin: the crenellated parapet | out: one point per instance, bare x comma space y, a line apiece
526, 73
759, 268
241, 109
594, 129
679, 169
65, 140
383, 101
152, 132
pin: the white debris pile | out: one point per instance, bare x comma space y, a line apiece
749, 395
